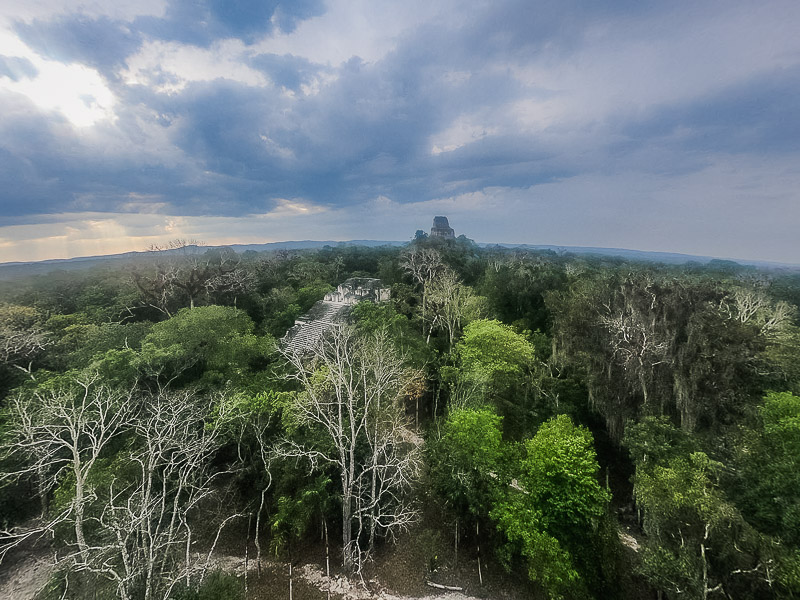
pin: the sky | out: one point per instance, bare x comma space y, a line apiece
651, 125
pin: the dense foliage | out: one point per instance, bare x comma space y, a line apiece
554, 406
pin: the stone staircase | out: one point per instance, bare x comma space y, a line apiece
307, 331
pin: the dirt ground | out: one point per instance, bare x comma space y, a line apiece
400, 571
25, 573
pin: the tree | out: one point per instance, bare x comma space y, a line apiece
132, 507
770, 479
423, 264
21, 337
466, 460
495, 363
447, 304
63, 429
148, 518
697, 542
219, 340
656, 342
490, 349
180, 275
685, 514
350, 406
556, 504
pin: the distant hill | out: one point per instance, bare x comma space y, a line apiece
15, 270
670, 258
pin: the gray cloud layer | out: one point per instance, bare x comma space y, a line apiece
568, 114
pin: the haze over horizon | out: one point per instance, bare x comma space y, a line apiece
654, 126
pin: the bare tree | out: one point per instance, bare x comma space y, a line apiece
63, 430
751, 304
146, 525
351, 394
180, 276
423, 264
137, 530
21, 338
446, 303
255, 423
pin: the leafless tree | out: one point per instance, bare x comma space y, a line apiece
178, 275
423, 264
147, 524
63, 431
21, 338
351, 393
138, 529
255, 424
446, 304
752, 304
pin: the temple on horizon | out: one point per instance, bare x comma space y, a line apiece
441, 228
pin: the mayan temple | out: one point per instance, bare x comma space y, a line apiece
334, 309
441, 228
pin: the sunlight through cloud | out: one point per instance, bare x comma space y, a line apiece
76, 91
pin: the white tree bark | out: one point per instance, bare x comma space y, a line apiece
351, 392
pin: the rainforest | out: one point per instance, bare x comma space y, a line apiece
508, 423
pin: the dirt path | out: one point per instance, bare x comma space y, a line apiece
23, 579
341, 588
351, 590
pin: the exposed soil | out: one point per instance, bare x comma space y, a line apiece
400, 571
25, 572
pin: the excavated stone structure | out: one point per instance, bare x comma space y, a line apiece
335, 308
441, 228
357, 289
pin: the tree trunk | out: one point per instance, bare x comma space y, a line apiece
477, 537
258, 531
42, 490
456, 560
246, 553
83, 547
347, 533
327, 558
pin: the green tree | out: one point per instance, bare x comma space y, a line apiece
215, 342
495, 365
490, 350
771, 478
686, 518
550, 512
466, 461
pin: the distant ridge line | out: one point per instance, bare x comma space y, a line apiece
9, 270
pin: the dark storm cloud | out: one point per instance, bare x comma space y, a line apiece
364, 135
99, 42
233, 116
45, 168
201, 22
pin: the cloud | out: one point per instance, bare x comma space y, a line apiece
575, 119
17, 68
99, 42
201, 23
